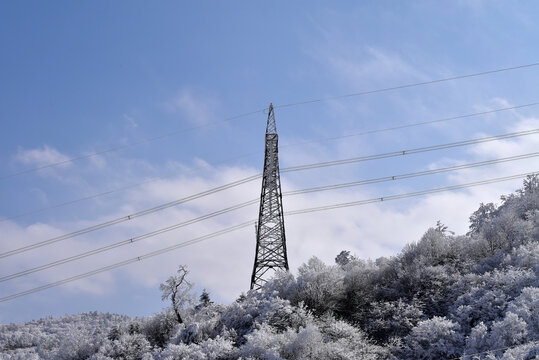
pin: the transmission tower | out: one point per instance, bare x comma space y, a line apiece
270, 238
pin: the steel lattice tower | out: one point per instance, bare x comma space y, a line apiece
270, 237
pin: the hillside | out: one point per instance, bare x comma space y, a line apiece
473, 296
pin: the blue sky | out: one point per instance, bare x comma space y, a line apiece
80, 77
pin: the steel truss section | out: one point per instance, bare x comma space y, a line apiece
270, 236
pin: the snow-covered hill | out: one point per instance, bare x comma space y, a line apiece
473, 296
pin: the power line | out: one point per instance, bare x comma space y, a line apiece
399, 127
118, 148
248, 223
127, 242
409, 152
254, 201
251, 178
403, 86
411, 175
128, 217
126, 262
93, 196
407, 195
159, 137
368, 132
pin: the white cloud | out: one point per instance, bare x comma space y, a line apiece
511, 146
372, 62
199, 257
43, 156
196, 108
223, 264
359, 66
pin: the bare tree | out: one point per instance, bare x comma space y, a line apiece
177, 288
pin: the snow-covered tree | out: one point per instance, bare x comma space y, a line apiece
436, 338
177, 288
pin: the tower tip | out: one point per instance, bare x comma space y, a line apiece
271, 127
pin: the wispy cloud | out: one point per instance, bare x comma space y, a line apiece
369, 63
369, 231
130, 120
43, 156
196, 108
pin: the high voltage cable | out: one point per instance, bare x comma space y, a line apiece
93, 196
402, 86
398, 127
410, 175
251, 178
122, 147
127, 242
248, 223
126, 262
129, 217
367, 132
252, 202
407, 195
159, 137
409, 152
